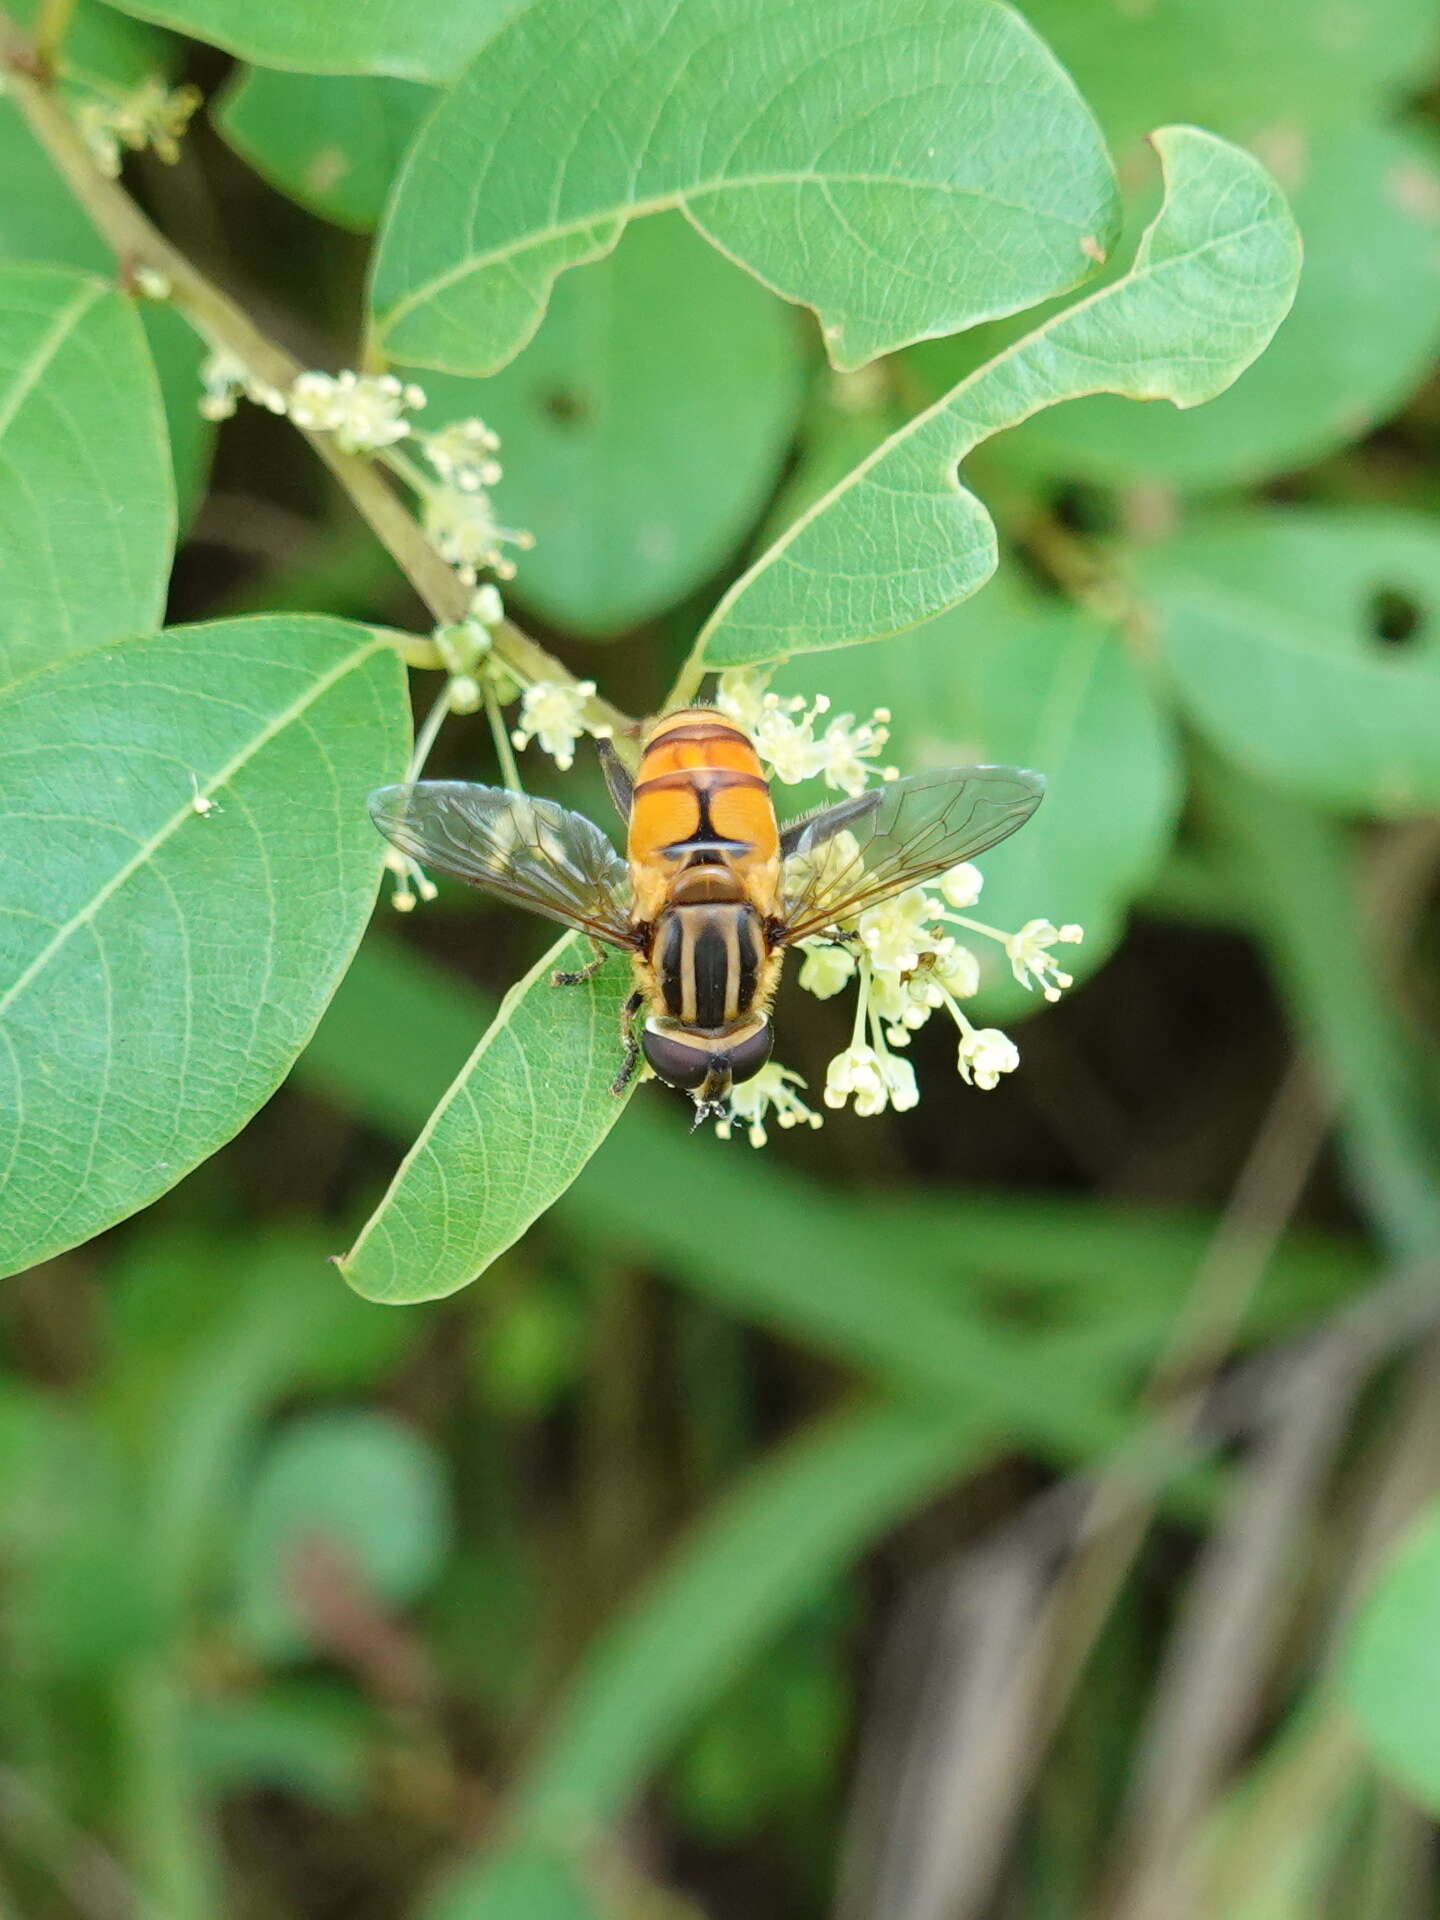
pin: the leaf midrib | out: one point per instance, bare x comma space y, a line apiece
147, 849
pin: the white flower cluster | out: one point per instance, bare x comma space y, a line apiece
369, 413
786, 740
553, 712
153, 115
364, 411
908, 967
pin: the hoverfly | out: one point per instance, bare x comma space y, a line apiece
711, 892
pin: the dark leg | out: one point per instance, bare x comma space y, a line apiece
561, 979
632, 1046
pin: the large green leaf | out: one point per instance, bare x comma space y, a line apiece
643, 427
87, 502
905, 167
431, 42
332, 142
1273, 627
358, 1487
526, 1112
1259, 74
1391, 1667
1013, 678
901, 539
160, 967
1361, 338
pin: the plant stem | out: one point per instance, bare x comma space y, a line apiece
138, 243
51, 28
504, 752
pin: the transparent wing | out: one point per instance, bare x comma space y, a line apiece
530, 851
861, 851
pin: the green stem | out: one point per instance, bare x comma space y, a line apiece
504, 752
51, 27
137, 243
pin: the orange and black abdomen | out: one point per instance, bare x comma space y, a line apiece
700, 794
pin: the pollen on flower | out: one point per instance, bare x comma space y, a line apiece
364, 411
770, 1090
463, 454
464, 528
553, 712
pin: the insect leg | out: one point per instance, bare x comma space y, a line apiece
632, 1046
561, 979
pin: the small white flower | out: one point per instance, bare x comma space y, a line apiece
486, 606
463, 454
985, 1053
857, 1073
826, 867
844, 748
786, 745
957, 969
464, 528
752, 1101
225, 379
827, 968
364, 411
740, 696
1031, 962
151, 284
553, 712
154, 115
894, 934
961, 885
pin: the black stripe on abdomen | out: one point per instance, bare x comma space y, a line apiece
668, 964
712, 954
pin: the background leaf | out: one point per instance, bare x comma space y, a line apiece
382, 37
1361, 337
643, 427
901, 539
960, 178
87, 504
1391, 1668
162, 968
362, 1489
1275, 628
332, 143
523, 1116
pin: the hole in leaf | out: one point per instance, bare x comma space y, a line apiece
566, 407
1395, 616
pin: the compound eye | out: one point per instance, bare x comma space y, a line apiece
749, 1056
676, 1064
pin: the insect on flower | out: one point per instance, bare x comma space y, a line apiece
711, 893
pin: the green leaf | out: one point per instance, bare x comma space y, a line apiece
1361, 338
1262, 75
901, 539
163, 967
905, 167
332, 143
1390, 1670
794, 1523
1272, 625
358, 1488
315, 36
526, 1112
643, 427
1012, 678
87, 503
